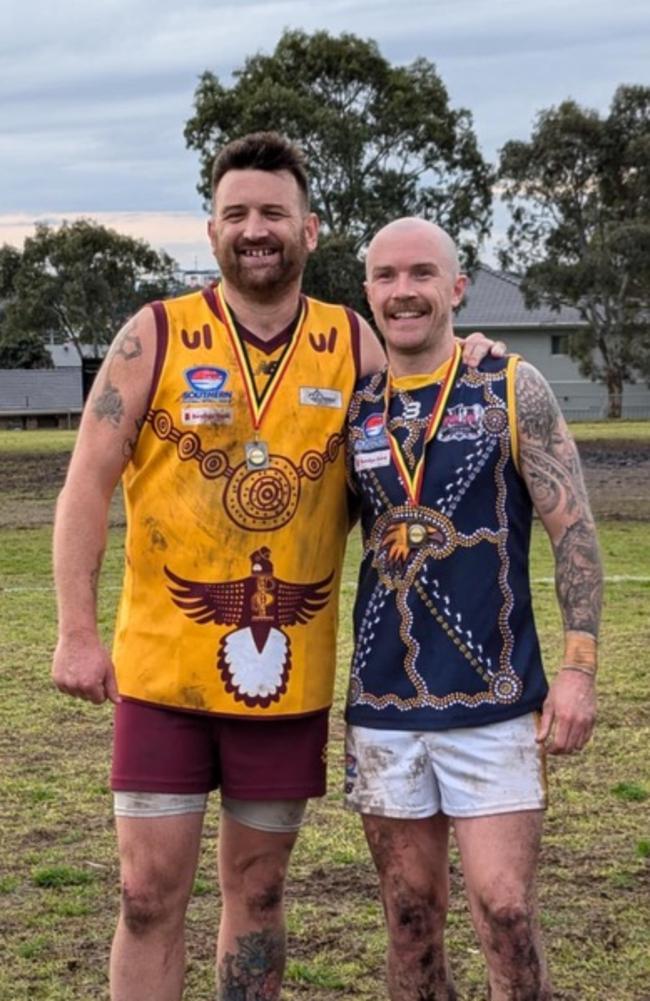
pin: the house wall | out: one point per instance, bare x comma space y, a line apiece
579, 398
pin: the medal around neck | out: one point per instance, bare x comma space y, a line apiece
416, 534
257, 455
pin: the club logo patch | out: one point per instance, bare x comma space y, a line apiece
206, 382
462, 423
374, 434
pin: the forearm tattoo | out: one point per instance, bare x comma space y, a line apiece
255, 970
551, 467
578, 578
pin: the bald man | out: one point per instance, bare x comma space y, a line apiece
449, 712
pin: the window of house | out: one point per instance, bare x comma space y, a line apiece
559, 344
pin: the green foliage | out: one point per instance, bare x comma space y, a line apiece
22, 348
382, 141
643, 848
579, 192
80, 283
9, 266
630, 791
335, 273
61, 875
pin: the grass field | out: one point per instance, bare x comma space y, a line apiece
58, 876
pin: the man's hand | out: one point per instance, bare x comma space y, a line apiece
476, 346
83, 668
569, 712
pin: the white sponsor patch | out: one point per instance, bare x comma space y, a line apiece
312, 396
206, 415
372, 460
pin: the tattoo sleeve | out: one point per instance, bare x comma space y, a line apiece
550, 466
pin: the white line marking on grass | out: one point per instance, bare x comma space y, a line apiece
613, 579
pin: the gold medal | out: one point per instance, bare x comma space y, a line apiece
257, 454
416, 534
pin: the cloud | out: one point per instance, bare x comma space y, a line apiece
95, 96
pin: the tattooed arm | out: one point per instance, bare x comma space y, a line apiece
551, 468
107, 437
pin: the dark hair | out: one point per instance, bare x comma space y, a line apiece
262, 151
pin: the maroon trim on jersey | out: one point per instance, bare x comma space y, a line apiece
272, 345
162, 340
211, 299
355, 334
246, 335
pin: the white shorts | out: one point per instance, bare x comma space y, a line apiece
274, 816
468, 772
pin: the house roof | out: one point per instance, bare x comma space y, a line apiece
495, 299
40, 390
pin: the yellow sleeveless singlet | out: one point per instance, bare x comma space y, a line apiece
237, 516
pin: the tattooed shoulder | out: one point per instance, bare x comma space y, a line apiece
538, 411
127, 343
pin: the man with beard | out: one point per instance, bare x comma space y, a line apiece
449, 711
223, 411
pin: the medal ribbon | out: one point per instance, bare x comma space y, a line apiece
413, 482
257, 406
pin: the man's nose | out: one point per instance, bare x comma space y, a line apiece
402, 286
256, 227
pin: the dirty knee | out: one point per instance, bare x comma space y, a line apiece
143, 913
511, 933
413, 920
265, 903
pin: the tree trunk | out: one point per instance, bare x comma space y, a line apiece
614, 395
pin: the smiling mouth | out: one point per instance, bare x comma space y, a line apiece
258, 253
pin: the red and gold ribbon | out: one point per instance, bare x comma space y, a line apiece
413, 481
259, 405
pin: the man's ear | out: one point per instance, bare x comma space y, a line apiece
312, 227
460, 285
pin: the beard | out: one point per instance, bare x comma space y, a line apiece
262, 282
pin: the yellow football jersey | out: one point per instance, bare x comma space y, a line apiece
237, 514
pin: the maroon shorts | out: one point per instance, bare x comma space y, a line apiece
165, 750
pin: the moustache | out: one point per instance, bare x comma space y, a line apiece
412, 303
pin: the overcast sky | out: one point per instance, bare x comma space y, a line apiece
94, 94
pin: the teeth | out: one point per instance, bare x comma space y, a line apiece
266, 252
406, 316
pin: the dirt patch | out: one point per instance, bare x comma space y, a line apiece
617, 474
29, 484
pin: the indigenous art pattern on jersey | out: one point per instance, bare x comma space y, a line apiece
443, 621
237, 513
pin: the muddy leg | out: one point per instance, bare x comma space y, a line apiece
411, 859
499, 856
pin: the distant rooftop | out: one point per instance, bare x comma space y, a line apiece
40, 391
495, 299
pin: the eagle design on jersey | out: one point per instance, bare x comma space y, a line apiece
254, 659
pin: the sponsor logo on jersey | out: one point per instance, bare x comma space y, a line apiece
371, 460
313, 396
206, 382
462, 423
374, 434
209, 416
